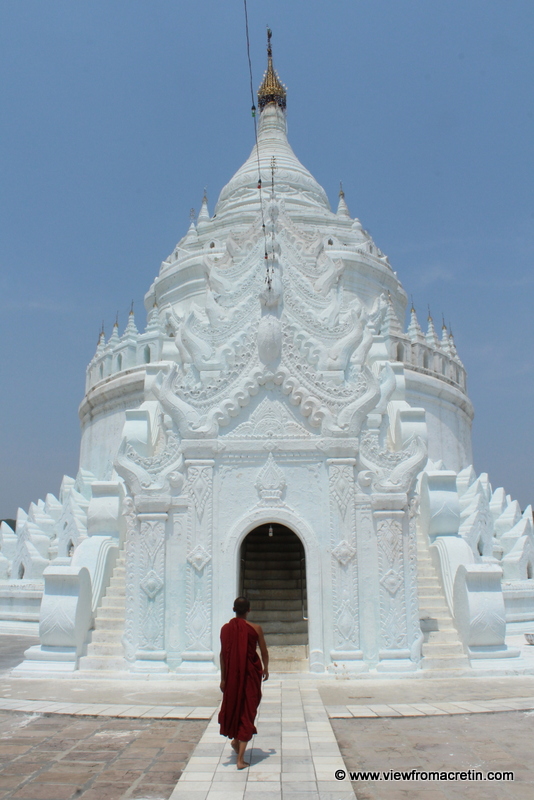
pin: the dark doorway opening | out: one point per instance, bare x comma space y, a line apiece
273, 577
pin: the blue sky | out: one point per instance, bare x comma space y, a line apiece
117, 113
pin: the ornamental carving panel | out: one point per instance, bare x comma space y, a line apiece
131, 623
271, 483
391, 567
199, 572
343, 548
152, 575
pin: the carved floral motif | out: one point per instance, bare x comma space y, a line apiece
271, 482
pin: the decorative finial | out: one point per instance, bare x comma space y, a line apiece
271, 89
412, 310
192, 215
341, 192
131, 309
116, 324
429, 315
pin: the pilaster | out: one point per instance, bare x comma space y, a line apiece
391, 521
198, 654
346, 626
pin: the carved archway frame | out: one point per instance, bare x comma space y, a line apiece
226, 591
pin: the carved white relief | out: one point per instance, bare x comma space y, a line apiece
198, 558
197, 625
151, 584
391, 581
341, 486
391, 565
131, 622
270, 420
200, 487
271, 482
344, 565
387, 470
344, 552
199, 573
151, 555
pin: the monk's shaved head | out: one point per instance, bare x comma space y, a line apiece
241, 606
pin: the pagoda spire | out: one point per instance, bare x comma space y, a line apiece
272, 89
445, 344
131, 327
414, 329
431, 336
204, 214
342, 208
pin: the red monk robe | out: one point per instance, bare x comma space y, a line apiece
243, 674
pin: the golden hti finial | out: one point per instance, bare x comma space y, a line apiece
341, 192
272, 89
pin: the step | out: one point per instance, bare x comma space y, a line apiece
285, 627
110, 623
443, 635
102, 663
113, 602
277, 558
288, 659
433, 602
435, 649
444, 662
99, 649
273, 595
261, 584
426, 571
279, 551
116, 591
104, 636
435, 624
263, 605
286, 638
119, 570
111, 612
276, 574
279, 614
428, 583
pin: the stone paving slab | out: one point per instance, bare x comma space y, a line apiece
67, 757
108, 710
294, 755
426, 709
449, 743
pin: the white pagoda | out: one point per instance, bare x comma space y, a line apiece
275, 432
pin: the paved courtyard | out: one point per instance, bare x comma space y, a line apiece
158, 739
59, 757
478, 742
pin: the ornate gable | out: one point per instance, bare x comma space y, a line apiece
270, 420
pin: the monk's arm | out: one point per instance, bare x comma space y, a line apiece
264, 653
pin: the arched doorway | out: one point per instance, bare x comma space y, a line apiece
273, 577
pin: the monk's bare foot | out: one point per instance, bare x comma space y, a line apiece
235, 745
242, 765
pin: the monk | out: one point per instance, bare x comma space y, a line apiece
241, 676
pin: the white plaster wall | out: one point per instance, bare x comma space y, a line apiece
102, 415
449, 416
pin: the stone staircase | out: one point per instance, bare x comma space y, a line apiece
105, 651
274, 579
442, 648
